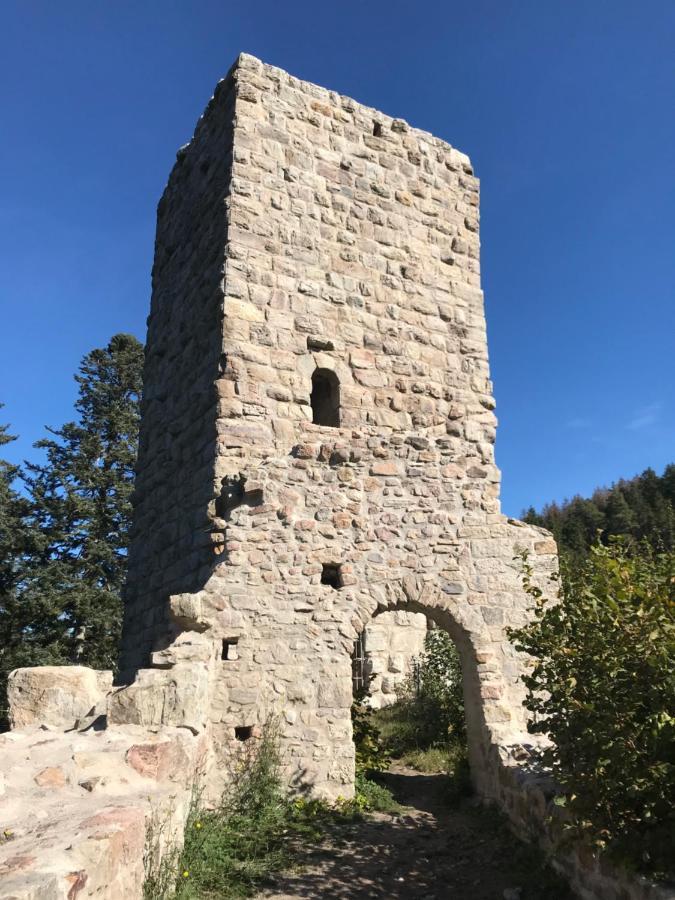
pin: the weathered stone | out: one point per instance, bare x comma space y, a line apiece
51, 777
316, 285
56, 695
175, 696
158, 760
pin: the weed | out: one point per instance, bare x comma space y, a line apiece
256, 830
373, 796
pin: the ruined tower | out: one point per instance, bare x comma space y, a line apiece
318, 429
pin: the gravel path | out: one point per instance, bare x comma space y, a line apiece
431, 851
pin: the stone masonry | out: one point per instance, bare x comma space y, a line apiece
392, 642
318, 429
316, 461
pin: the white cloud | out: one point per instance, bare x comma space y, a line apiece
643, 418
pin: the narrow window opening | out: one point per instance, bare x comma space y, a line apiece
325, 398
330, 575
359, 674
243, 732
377, 129
229, 651
254, 497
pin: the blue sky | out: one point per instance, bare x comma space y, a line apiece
567, 110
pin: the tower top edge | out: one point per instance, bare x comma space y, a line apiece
247, 62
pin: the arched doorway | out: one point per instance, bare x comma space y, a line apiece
414, 706
491, 715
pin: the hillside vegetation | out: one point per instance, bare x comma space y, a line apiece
641, 508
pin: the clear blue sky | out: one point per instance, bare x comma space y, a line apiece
567, 110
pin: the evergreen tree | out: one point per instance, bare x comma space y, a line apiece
620, 518
668, 482
81, 510
580, 525
15, 542
642, 508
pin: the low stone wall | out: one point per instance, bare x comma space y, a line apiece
526, 794
80, 806
83, 806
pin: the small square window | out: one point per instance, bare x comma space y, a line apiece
330, 575
229, 651
243, 732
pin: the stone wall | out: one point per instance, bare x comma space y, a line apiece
392, 642
85, 806
171, 550
301, 232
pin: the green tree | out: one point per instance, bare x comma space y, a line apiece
602, 687
81, 512
580, 525
438, 687
619, 517
15, 544
642, 508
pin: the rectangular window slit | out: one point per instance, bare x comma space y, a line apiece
229, 650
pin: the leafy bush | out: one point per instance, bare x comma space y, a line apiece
437, 689
371, 755
603, 687
430, 712
370, 795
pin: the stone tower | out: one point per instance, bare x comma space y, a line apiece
318, 430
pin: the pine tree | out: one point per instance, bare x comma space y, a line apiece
620, 518
642, 508
81, 510
15, 543
580, 527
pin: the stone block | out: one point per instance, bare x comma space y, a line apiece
57, 696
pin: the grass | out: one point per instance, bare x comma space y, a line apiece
436, 759
258, 829
402, 738
372, 796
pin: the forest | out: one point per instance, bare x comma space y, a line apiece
639, 508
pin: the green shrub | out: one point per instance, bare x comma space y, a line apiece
372, 796
256, 830
435, 690
603, 687
371, 754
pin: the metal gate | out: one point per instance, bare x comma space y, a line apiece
359, 676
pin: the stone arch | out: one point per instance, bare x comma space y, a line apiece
482, 679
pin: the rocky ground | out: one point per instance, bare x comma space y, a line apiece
434, 849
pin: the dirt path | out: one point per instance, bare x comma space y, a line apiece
433, 850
